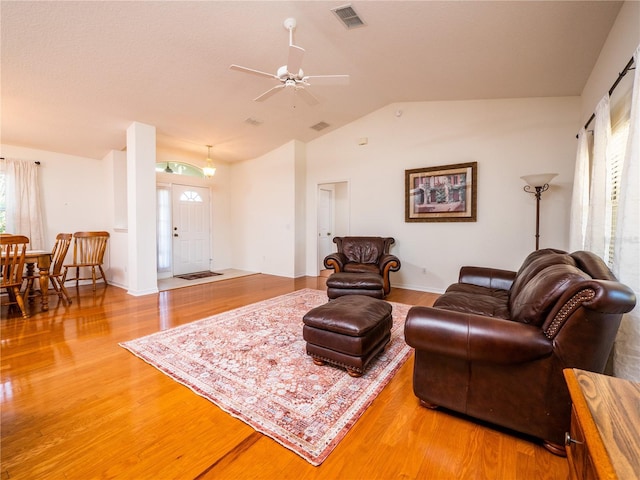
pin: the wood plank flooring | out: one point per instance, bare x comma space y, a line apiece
75, 405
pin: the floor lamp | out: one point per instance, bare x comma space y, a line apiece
537, 184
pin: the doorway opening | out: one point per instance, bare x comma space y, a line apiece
333, 218
184, 230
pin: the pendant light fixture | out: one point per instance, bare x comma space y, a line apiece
168, 169
209, 171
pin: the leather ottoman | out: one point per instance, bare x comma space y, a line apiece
346, 283
348, 332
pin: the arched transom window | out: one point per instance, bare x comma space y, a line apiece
190, 196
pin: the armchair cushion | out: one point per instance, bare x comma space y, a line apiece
352, 267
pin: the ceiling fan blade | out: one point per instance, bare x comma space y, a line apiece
294, 62
268, 93
252, 71
307, 96
327, 79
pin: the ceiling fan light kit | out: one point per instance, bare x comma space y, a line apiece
291, 76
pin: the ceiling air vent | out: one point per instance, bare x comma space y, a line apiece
348, 16
319, 126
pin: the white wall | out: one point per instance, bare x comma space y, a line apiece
256, 205
621, 43
341, 202
221, 220
508, 139
72, 192
256, 213
263, 212
78, 194
300, 203
115, 167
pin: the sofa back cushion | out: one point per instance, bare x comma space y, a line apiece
535, 263
363, 249
592, 264
534, 300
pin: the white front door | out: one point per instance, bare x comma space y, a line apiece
191, 229
325, 222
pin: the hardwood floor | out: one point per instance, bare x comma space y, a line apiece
75, 405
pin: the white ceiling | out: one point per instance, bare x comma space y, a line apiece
75, 75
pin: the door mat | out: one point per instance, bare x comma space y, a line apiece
195, 276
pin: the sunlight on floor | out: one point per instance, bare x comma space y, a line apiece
171, 283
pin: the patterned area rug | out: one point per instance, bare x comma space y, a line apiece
252, 363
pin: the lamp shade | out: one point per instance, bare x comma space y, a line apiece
209, 171
539, 180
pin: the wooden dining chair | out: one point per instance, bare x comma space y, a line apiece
58, 254
12, 252
88, 252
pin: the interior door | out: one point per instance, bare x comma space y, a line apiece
191, 229
326, 195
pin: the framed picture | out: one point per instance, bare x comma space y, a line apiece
441, 194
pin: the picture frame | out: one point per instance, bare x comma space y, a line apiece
446, 193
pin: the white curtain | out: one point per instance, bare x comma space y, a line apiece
580, 198
626, 261
24, 212
598, 231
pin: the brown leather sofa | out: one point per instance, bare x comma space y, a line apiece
364, 255
494, 345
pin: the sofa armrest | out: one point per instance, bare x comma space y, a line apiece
335, 261
474, 337
600, 296
487, 277
610, 297
389, 263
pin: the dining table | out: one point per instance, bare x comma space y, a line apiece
40, 259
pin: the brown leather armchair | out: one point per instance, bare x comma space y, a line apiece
494, 345
364, 255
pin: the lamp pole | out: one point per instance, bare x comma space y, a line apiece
537, 191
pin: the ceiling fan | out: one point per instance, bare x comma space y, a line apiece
291, 75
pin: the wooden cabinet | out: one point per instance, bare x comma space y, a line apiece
604, 439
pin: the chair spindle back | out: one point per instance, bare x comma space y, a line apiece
89, 247
13, 249
59, 252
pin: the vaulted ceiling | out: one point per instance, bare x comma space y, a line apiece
76, 74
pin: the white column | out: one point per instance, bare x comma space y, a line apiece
141, 211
